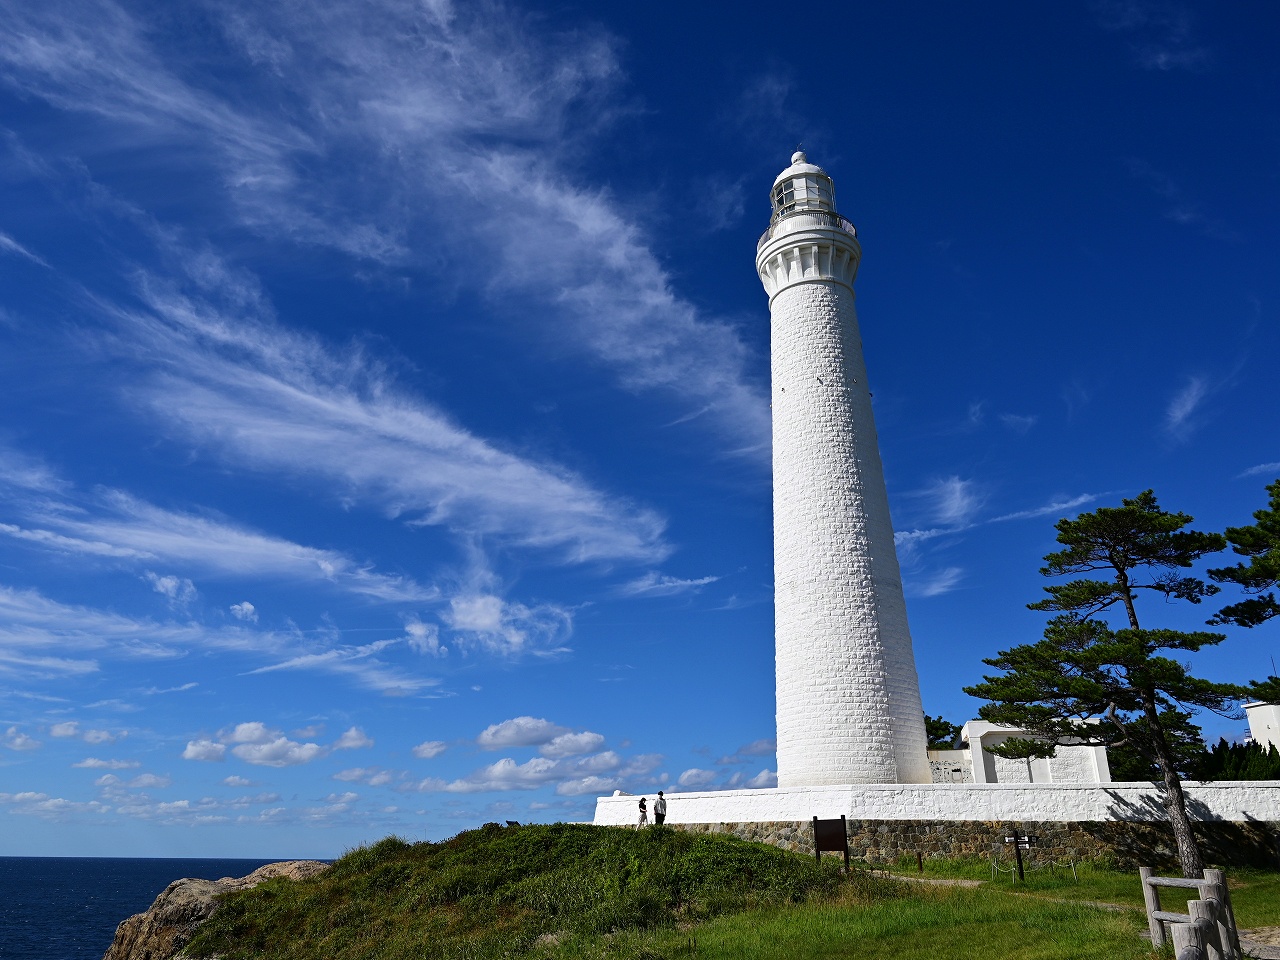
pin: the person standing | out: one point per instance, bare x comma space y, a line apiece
644, 814
660, 809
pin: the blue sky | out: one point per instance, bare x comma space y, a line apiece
383, 385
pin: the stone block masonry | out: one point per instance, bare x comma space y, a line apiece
1126, 845
848, 698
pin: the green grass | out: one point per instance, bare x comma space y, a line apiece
577, 892
488, 892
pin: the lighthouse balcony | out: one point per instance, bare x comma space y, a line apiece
801, 221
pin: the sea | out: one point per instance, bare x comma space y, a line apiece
67, 908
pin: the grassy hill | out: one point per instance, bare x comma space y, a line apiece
493, 891
573, 892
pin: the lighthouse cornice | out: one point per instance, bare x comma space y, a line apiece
808, 248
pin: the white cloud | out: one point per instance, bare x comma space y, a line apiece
655, 584
99, 736
204, 750
571, 744
747, 752
360, 663
93, 763
10, 245
373, 776
255, 731
1262, 468
951, 501
762, 780
145, 780
696, 779
244, 611
15, 739
352, 739
1178, 419
588, 785
520, 732
424, 638
937, 583
68, 728
280, 752
429, 749
1056, 508
506, 774
178, 589
237, 781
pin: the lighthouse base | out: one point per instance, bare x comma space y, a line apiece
1236, 801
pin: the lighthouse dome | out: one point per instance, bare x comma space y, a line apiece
802, 186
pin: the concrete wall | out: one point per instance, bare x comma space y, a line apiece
1060, 802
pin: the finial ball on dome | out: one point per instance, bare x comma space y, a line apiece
799, 157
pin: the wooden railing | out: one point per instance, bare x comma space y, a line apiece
1208, 931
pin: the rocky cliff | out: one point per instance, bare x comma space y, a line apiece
171, 921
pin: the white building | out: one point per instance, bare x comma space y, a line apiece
848, 696
1264, 723
975, 763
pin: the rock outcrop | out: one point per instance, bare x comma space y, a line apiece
172, 920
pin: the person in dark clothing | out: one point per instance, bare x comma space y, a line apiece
644, 814
660, 809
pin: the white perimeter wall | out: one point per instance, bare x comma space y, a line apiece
1234, 800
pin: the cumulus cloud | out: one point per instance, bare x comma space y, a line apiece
429, 749
69, 728
373, 776
279, 752
424, 638
204, 750
146, 780
244, 611
353, 739
15, 739
520, 732
237, 781
93, 763
178, 589
99, 736
762, 780
696, 779
572, 744
750, 751
588, 785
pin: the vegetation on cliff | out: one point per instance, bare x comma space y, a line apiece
496, 890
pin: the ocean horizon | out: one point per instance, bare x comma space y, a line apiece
67, 908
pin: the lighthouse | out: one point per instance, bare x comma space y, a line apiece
848, 697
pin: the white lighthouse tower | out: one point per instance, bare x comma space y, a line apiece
848, 696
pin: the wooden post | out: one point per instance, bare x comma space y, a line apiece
1204, 916
919, 862
817, 854
1151, 897
1187, 942
1232, 939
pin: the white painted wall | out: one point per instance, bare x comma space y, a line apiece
848, 697
1238, 801
1264, 723
1070, 763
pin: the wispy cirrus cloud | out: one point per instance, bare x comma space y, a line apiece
655, 584
12, 246
1180, 416
406, 93
114, 524
1161, 32
1260, 470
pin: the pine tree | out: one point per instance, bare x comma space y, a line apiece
1260, 542
1085, 669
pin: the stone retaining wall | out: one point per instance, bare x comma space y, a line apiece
1126, 844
